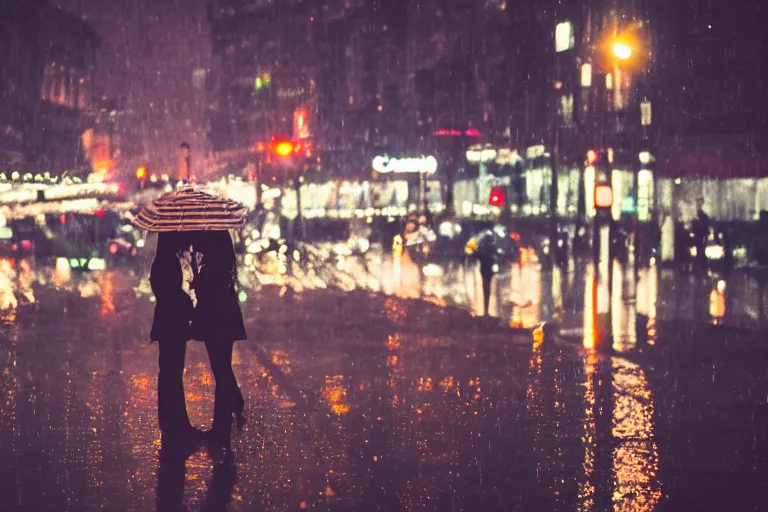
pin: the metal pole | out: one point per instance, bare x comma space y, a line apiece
553, 192
299, 216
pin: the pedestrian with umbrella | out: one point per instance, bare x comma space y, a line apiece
191, 220
487, 255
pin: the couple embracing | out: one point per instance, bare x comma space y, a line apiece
200, 304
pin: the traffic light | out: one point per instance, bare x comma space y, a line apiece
603, 196
498, 196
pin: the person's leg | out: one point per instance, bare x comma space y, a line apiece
171, 405
238, 402
486, 293
220, 355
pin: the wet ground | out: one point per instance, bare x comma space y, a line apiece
361, 402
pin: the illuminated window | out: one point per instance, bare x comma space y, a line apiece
589, 191
564, 38
566, 109
645, 193
645, 113
586, 75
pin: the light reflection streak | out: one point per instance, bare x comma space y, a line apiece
10, 424
26, 278
8, 299
545, 406
107, 294
647, 298
525, 294
590, 308
586, 486
335, 392
634, 459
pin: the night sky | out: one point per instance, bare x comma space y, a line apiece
149, 50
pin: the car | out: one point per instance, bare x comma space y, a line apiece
87, 241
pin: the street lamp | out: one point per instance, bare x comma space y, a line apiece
621, 50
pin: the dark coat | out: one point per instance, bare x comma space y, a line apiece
217, 315
173, 309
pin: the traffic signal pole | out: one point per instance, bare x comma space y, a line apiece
299, 216
602, 260
553, 193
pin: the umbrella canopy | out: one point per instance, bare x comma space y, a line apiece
188, 209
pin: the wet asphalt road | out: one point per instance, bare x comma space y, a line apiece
365, 402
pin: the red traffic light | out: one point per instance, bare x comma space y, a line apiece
498, 196
592, 156
603, 196
113, 248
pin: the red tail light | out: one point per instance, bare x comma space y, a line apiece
100, 212
26, 244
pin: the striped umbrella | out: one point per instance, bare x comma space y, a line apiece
188, 209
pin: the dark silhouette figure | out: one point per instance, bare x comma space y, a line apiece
700, 228
218, 322
171, 329
487, 256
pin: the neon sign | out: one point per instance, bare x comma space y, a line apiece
422, 164
469, 132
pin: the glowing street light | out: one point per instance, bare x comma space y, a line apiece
621, 51
284, 148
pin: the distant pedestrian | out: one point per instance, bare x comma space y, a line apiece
700, 228
218, 321
171, 329
487, 255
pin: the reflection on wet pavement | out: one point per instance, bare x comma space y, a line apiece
356, 401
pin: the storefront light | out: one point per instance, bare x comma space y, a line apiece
645, 157
564, 36
481, 155
421, 165
534, 152
586, 75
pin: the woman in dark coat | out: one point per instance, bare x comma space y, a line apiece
218, 322
171, 329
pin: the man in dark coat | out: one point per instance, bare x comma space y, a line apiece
171, 329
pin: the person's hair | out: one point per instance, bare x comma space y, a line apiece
166, 263
217, 250
170, 244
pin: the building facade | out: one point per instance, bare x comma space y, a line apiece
47, 61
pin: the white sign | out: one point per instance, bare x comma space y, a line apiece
479, 154
423, 164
